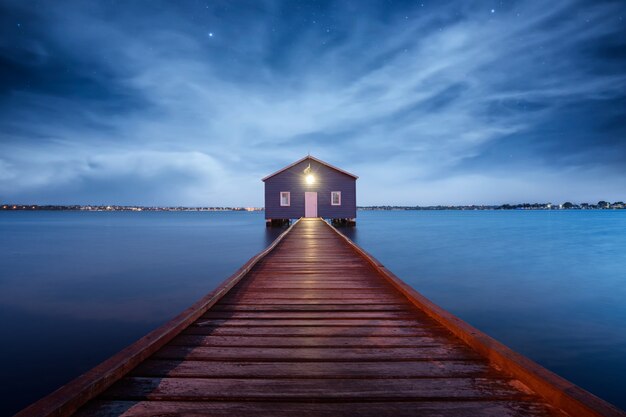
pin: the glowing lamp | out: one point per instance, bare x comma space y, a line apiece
310, 179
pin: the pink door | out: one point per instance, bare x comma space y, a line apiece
310, 204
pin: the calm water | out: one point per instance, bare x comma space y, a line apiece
76, 287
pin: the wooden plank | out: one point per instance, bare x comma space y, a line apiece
328, 268
328, 293
447, 352
303, 282
353, 369
326, 259
309, 296
359, 278
314, 308
311, 301
313, 322
319, 269
309, 331
276, 389
343, 315
344, 409
300, 341
291, 285
279, 277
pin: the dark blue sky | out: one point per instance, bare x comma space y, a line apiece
429, 102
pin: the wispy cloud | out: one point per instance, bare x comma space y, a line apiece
437, 103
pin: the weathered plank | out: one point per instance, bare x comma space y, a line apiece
447, 352
299, 341
276, 389
314, 322
331, 294
313, 285
313, 308
311, 301
343, 315
309, 331
352, 369
344, 409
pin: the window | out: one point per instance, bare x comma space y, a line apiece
285, 198
335, 198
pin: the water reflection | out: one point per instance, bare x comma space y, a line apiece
349, 231
271, 233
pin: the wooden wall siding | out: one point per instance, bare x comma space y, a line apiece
326, 180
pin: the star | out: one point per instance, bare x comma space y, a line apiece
210, 34
493, 10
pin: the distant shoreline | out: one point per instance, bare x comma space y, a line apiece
35, 207
601, 205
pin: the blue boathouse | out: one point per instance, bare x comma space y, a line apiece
310, 188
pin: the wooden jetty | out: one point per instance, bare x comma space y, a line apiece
314, 326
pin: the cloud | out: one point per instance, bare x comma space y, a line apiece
423, 94
167, 177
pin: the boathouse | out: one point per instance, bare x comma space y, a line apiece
310, 188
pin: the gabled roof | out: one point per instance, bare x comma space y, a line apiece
313, 159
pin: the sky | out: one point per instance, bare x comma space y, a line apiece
428, 102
